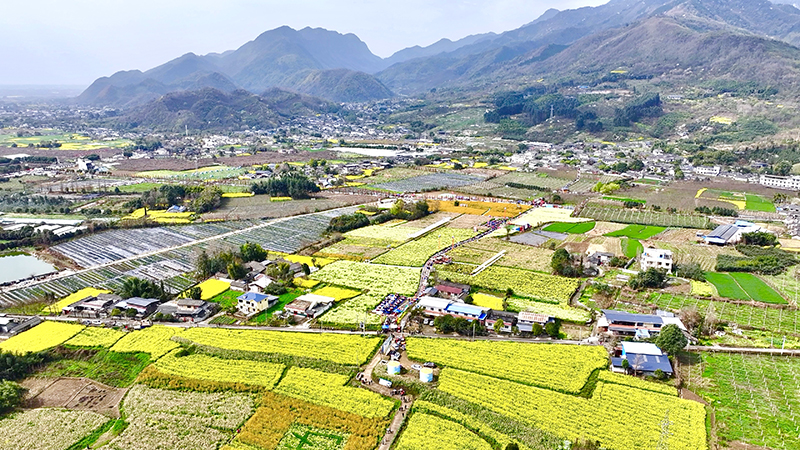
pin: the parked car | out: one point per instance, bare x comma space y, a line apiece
430, 365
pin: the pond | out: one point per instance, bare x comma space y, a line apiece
19, 267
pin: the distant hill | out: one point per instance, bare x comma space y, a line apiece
212, 109
312, 60
504, 56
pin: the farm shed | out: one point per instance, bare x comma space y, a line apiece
187, 310
730, 234
642, 357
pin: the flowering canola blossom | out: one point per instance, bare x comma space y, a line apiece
46, 335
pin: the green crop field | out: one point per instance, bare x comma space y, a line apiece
625, 199
754, 397
631, 247
757, 289
637, 232
727, 286
571, 228
744, 286
758, 203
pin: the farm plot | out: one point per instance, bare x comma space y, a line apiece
755, 398
563, 368
534, 179
96, 337
522, 282
478, 208
351, 313
758, 203
643, 217
744, 286
155, 340
329, 390
47, 428
631, 248
488, 426
517, 255
379, 280
570, 228
423, 431
416, 253
41, 337
540, 216
491, 188
209, 368
279, 417
339, 349
428, 182
186, 420
769, 319
598, 418
705, 255
637, 232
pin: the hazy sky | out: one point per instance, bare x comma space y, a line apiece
77, 41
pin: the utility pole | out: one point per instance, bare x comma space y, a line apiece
552, 111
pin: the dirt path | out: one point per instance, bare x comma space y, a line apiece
400, 414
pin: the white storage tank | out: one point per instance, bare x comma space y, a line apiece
393, 367
426, 375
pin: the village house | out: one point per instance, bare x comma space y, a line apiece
252, 303
641, 326
143, 306
656, 258
92, 307
188, 310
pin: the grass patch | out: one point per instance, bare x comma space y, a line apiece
227, 299
631, 247
111, 368
571, 228
637, 232
283, 300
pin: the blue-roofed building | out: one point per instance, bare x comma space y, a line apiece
643, 358
435, 307
621, 323
251, 303
469, 312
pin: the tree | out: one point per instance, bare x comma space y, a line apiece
537, 329
281, 271
137, 287
671, 339
512, 446
498, 326
651, 278
690, 270
252, 252
130, 312
195, 293
561, 262
236, 271
10, 395
759, 238
553, 329
306, 269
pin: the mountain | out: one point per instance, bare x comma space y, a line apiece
441, 46
312, 60
580, 29
212, 109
